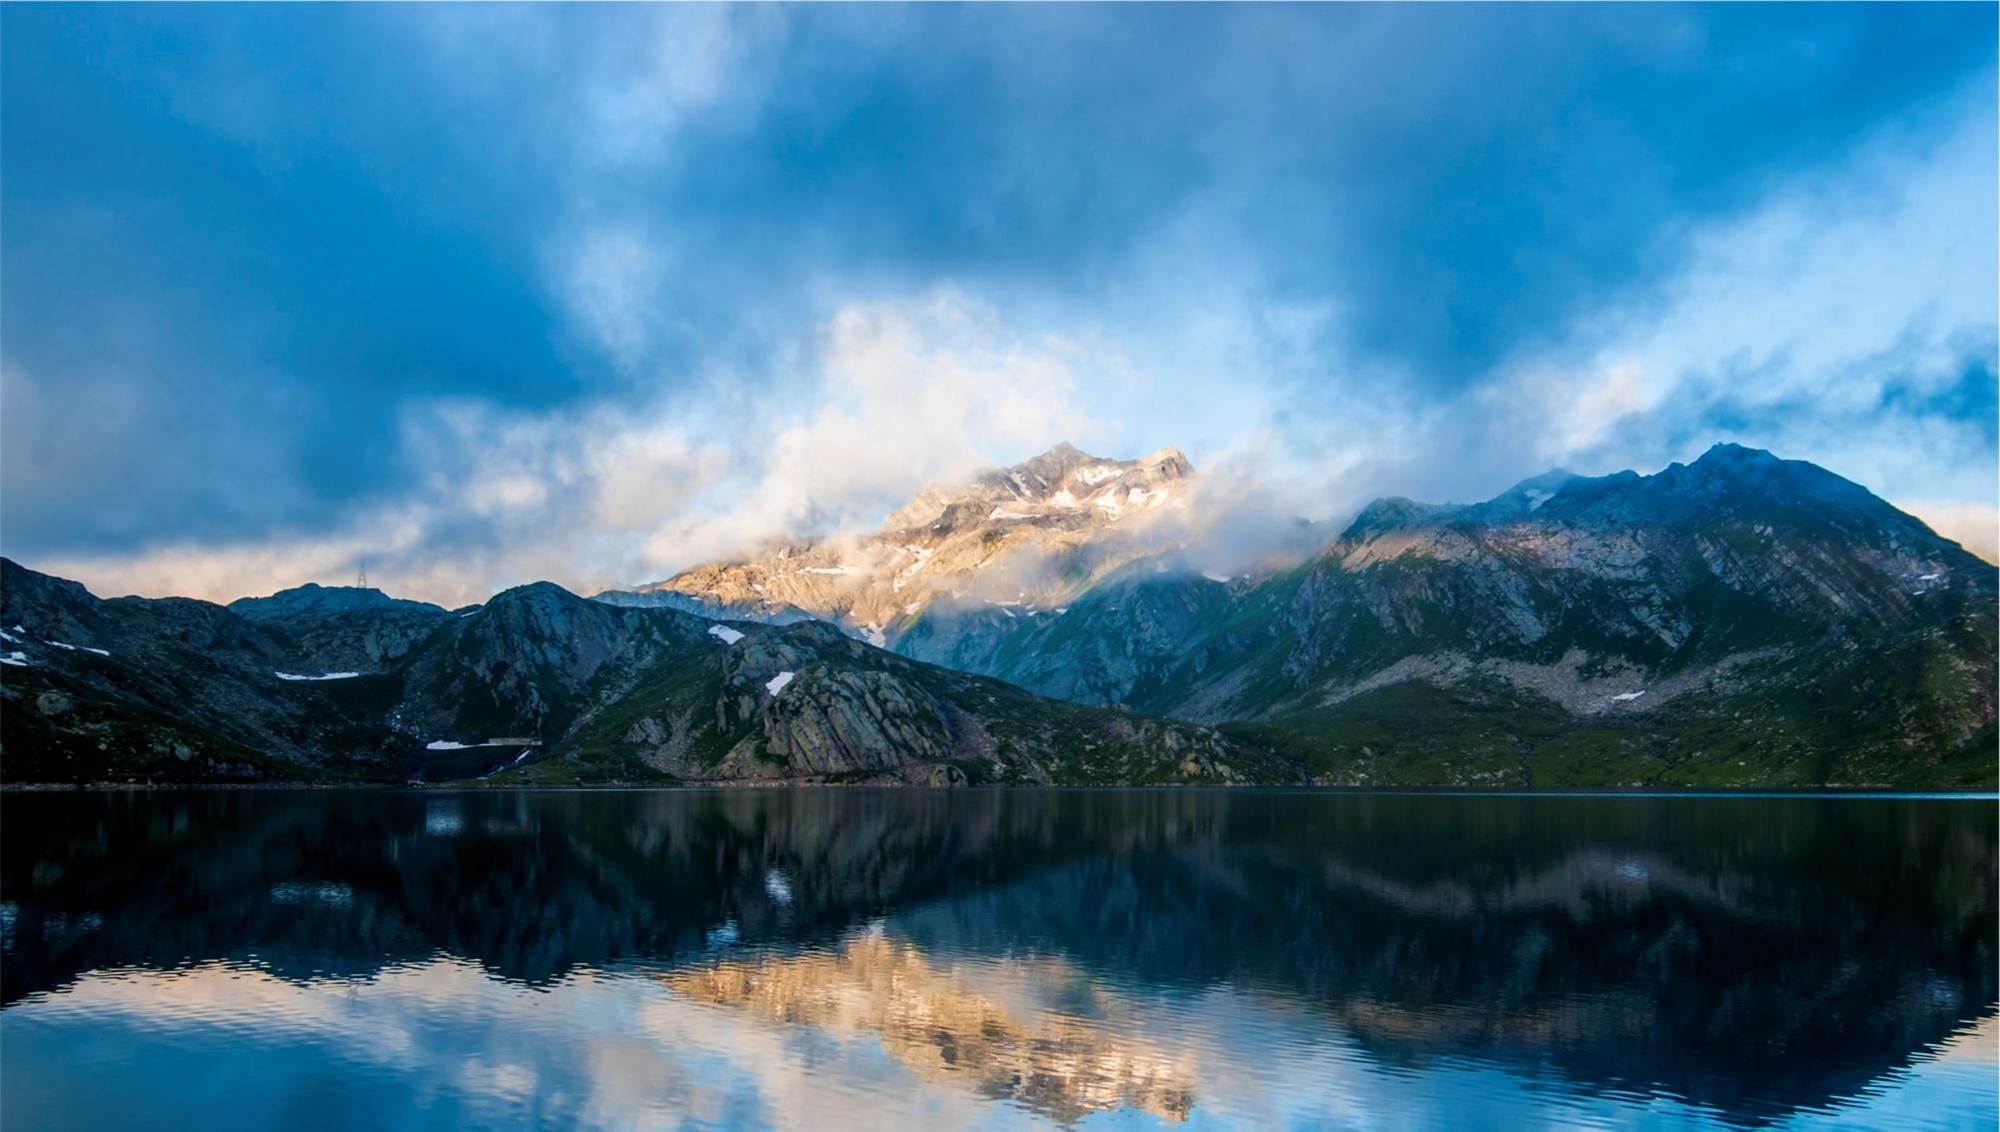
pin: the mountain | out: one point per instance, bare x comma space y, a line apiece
343, 627
1739, 620
1742, 620
537, 685
313, 599
1017, 538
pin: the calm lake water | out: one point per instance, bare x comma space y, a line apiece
840, 959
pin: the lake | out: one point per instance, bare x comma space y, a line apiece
994, 959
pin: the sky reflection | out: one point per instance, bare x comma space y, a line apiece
999, 960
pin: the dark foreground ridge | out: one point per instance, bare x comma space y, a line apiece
536, 686
1739, 621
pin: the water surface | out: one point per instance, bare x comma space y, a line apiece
994, 959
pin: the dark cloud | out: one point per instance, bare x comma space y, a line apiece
239, 242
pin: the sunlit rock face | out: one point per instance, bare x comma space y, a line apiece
1017, 540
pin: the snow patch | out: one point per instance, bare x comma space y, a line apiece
448, 745
321, 676
17, 658
1929, 577
9, 637
1627, 697
1002, 515
1537, 497
77, 648
874, 636
1096, 474
725, 634
778, 682
828, 570
1217, 577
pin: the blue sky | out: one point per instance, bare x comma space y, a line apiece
483, 295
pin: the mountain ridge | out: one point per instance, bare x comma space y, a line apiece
536, 685
1739, 619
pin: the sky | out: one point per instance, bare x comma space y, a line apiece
475, 296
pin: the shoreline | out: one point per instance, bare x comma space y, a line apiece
1888, 792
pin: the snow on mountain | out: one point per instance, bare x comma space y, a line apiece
1030, 536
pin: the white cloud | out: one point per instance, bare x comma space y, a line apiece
1805, 325
897, 394
1788, 328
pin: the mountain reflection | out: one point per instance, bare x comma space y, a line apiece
1754, 955
940, 1024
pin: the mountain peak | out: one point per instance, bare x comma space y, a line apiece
532, 592
1727, 453
313, 599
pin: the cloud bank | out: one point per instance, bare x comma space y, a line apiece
483, 296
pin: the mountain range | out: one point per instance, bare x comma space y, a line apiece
1739, 620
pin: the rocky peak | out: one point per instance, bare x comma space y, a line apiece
313, 599
1389, 514
1029, 536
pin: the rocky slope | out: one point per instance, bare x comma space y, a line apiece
1016, 539
536, 685
1739, 620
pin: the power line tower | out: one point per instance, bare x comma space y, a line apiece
362, 579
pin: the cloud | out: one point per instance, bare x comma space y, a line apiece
1975, 526
896, 395
1842, 321
589, 292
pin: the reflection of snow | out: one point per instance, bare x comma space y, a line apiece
779, 888
329, 893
